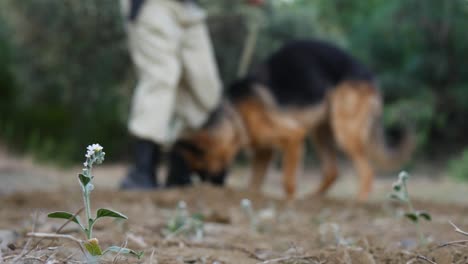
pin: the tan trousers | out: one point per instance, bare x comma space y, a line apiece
178, 82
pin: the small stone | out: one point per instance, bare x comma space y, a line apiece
11, 246
7, 238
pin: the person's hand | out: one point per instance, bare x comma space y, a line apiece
255, 2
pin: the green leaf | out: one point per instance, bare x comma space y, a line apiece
397, 186
424, 215
412, 216
109, 213
198, 216
122, 250
395, 196
92, 246
65, 215
83, 179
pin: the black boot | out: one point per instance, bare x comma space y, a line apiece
142, 175
179, 171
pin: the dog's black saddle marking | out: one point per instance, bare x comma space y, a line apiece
301, 72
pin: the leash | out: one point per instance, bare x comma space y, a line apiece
249, 47
253, 29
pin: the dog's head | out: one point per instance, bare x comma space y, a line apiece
210, 150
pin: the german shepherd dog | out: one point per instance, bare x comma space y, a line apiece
307, 88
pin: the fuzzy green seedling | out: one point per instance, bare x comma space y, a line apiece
246, 206
94, 155
400, 193
182, 223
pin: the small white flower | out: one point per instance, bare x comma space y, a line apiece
403, 176
85, 164
94, 147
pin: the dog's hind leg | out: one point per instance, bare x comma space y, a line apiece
352, 111
292, 155
261, 160
323, 140
366, 174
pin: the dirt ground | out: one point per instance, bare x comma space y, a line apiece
335, 229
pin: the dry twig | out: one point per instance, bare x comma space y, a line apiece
218, 246
458, 230
457, 242
58, 230
54, 236
291, 258
151, 260
426, 259
25, 250
65, 224
124, 244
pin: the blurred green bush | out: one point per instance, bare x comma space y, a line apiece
6, 78
458, 167
66, 78
417, 48
70, 68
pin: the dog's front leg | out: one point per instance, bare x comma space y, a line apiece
292, 154
261, 160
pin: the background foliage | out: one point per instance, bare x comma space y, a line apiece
69, 63
66, 78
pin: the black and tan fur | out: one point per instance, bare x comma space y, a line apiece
306, 89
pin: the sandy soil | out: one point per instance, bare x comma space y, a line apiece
309, 230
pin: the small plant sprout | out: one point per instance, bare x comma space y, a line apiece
246, 206
182, 223
400, 193
94, 155
330, 233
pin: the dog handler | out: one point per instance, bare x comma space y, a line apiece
178, 83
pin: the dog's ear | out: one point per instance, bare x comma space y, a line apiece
191, 152
187, 146
214, 118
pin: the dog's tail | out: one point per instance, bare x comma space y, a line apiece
390, 148
356, 116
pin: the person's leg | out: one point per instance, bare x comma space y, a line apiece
142, 175
201, 88
179, 171
154, 40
